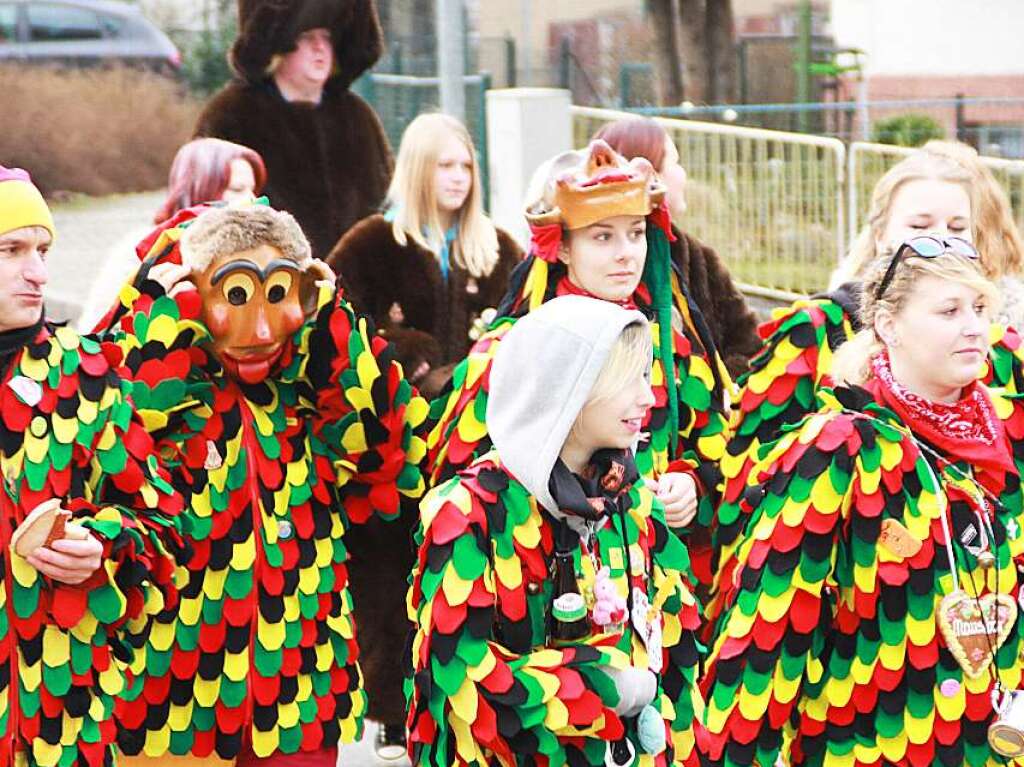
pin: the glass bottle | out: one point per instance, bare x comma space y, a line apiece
569, 619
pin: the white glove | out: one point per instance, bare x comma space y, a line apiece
636, 687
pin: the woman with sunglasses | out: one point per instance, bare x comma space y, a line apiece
927, 193
600, 228
871, 614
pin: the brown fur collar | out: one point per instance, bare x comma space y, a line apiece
732, 323
268, 27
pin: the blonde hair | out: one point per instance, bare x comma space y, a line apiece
996, 236
412, 196
921, 165
629, 357
852, 361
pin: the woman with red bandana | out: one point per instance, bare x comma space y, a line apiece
870, 617
600, 228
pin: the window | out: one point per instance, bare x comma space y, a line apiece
8, 22
50, 23
112, 25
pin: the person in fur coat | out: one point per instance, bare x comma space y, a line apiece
426, 271
328, 160
732, 323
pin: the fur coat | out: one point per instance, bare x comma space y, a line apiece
733, 324
328, 164
402, 289
431, 324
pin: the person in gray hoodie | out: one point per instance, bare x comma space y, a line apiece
553, 623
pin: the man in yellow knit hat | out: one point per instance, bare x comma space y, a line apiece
88, 523
26, 233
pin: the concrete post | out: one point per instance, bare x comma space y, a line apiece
451, 57
525, 127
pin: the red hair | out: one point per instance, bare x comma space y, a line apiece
201, 172
636, 137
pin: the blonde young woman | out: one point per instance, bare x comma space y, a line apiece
927, 193
553, 621
427, 268
996, 233
424, 271
871, 616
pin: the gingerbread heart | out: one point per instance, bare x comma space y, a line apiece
975, 627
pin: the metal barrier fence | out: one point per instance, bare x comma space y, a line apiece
869, 162
398, 99
995, 125
771, 203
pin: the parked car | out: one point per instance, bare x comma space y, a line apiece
82, 32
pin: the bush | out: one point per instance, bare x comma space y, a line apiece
907, 130
94, 131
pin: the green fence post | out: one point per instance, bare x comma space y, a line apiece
510, 61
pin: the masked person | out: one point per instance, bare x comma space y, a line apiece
600, 228
871, 616
553, 623
88, 522
327, 159
284, 421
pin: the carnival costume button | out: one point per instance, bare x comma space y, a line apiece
284, 530
532, 588
949, 687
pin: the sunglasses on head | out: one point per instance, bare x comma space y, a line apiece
925, 246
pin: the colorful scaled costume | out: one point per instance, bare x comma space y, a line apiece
686, 431
847, 637
277, 454
786, 377
329, 163
490, 683
68, 432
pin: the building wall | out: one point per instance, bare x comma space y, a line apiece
933, 37
529, 22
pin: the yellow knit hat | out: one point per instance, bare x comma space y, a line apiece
21, 204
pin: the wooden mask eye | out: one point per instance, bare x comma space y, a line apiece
277, 286
238, 289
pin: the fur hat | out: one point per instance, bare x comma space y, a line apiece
221, 231
269, 27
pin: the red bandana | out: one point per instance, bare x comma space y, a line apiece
968, 430
567, 288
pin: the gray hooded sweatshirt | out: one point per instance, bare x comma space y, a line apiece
541, 378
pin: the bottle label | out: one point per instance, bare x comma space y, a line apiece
569, 608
